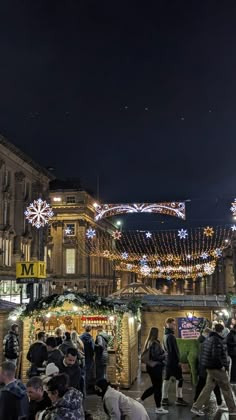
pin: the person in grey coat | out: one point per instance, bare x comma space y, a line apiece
101, 353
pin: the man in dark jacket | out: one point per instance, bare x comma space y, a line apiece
70, 366
11, 347
173, 366
37, 355
54, 354
66, 344
101, 354
214, 359
202, 373
39, 399
14, 403
89, 346
231, 346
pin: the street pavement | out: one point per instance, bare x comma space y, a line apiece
94, 404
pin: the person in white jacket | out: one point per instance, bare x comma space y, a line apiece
118, 406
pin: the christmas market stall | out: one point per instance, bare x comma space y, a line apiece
71, 312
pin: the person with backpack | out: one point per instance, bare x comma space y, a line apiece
154, 366
89, 346
101, 353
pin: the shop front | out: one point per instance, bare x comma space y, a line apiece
72, 312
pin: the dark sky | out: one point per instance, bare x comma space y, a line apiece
141, 93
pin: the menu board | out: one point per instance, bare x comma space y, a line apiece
189, 328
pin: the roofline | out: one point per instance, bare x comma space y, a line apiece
14, 149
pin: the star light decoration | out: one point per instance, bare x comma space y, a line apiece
233, 228
204, 255
148, 235
233, 207
182, 233
67, 231
124, 255
39, 213
208, 231
90, 233
218, 252
117, 235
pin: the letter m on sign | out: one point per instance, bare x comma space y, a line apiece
27, 270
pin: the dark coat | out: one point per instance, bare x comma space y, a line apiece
171, 348
67, 344
38, 406
88, 348
231, 343
74, 373
55, 356
14, 402
11, 347
101, 352
214, 354
37, 354
157, 353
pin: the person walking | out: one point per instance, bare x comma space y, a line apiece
117, 405
37, 355
214, 359
231, 346
154, 369
173, 365
101, 353
11, 345
14, 403
202, 373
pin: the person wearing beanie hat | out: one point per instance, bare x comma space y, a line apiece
117, 405
51, 370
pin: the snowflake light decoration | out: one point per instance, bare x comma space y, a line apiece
117, 235
209, 268
198, 266
124, 255
148, 235
208, 231
158, 262
90, 233
204, 255
38, 213
233, 228
67, 231
129, 266
182, 233
188, 257
145, 270
143, 260
218, 252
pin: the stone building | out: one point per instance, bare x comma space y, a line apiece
69, 263
21, 181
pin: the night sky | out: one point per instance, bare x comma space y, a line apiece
141, 93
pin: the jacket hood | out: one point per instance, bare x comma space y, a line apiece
104, 335
215, 334
169, 331
86, 336
72, 400
16, 388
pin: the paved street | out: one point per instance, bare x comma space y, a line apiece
94, 405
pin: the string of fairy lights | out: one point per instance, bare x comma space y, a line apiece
170, 254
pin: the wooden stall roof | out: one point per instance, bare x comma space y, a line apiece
7, 306
180, 301
135, 289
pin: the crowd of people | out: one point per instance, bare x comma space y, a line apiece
65, 367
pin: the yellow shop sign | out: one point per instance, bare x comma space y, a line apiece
31, 269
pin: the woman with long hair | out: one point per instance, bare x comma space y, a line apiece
154, 368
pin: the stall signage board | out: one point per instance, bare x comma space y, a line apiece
30, 271
189, 328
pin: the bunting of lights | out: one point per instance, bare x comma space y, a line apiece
172, 254
176, 209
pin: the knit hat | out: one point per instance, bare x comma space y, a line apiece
51, 369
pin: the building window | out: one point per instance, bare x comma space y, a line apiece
70, 229
70, 199
70, 261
